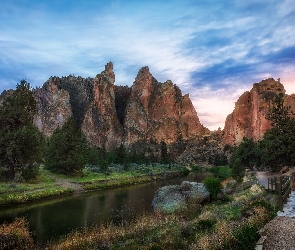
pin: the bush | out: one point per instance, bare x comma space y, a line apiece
245, 236
213, 185
218, 159
30, 171
16, 235
185, 171
221, 172
205, 225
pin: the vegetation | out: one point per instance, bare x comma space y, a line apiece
21, 143
244, 156
66, 149
275, 150
16, 235
223, 172
277, 145
39, 188
228, 225
213, 185
94, 177
218, 159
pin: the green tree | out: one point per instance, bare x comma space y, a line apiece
66, 151
278, 143
21, 142
120, 154
244, 156
164, 153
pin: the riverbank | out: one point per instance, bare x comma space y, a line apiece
232, 223
49, 185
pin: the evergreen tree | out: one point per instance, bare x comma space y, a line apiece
120, 154
66, 151
21, 143
278, 143
244, 156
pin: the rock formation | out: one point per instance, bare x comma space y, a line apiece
158, 112
53, 106
249, 116
109, 115
101, 124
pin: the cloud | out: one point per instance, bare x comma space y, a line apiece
213, 50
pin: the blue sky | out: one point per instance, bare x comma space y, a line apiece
212, 49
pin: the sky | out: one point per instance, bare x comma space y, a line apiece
212, 49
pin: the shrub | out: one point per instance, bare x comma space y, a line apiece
205, 225
30, 171
16, 235
223, 172
245, 236
185, 171
218, 159
213, 185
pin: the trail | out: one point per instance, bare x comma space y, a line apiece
279, 233
65, 183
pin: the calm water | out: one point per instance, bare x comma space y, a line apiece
56, 217
262, 177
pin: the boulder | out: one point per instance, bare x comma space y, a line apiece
170, 198
194, 190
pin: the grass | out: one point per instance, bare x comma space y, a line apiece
142, 174
41, 182
45, 186
21, 192
17, 198
222, 172
218, 225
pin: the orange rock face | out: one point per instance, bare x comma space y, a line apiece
249, 116
158, 111
101, 124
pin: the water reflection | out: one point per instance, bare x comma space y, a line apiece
53, 218
262, 177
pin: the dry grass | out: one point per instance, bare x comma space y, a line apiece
16, 235
106, 236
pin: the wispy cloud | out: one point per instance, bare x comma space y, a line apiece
213, 50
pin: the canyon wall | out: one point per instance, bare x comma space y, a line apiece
249, 116
148, 111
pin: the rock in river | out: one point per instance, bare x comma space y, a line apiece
170, 198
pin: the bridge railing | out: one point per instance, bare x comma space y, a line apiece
282, 185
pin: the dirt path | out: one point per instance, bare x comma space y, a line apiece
278, 234
65, 183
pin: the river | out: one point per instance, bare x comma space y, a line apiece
53, 218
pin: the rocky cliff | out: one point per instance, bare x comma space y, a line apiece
158, 112
109, 115
249, 116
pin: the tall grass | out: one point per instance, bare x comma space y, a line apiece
16, 235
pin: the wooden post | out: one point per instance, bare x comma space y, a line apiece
280, 198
